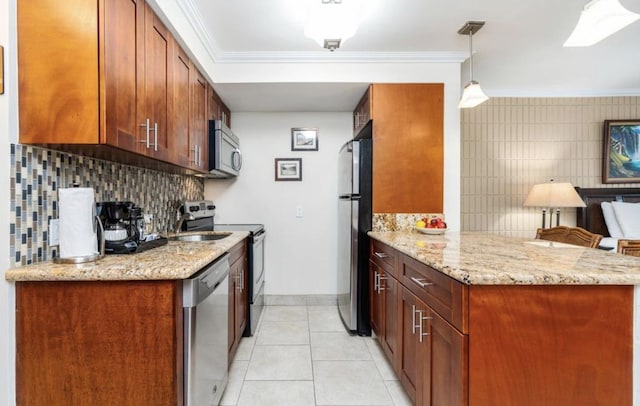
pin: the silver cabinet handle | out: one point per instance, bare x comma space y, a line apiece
421, 320
376, 281
147, 126
380, 279
420, 282
199, 156
195, 155
155, 136
413, 319
381, 255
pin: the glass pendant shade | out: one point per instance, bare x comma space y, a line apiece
598, 20
472, 96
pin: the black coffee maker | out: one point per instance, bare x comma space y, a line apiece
123, 226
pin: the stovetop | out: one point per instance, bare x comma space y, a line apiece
253, 229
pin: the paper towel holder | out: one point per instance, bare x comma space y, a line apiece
86, 258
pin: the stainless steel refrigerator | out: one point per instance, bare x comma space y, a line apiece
354, 221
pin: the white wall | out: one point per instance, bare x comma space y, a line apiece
8, 132
300, 252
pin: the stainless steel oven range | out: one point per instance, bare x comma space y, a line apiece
202, 219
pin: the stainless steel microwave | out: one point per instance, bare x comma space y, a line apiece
225, 158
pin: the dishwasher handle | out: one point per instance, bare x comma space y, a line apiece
202, 284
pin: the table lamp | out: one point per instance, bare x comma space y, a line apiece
551, 196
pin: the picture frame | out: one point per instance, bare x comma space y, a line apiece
621, 151
288, 169
304, 139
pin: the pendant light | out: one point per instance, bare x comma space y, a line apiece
598, 20
472, 94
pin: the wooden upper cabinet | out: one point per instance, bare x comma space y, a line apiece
181, 103
198, 120
58, 71
362, 113
217, 109
157, 55
408, 147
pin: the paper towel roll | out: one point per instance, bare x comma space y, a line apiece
77, 227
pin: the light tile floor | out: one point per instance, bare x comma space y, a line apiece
301, 355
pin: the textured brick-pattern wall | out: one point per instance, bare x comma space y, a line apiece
36, 175
510, 144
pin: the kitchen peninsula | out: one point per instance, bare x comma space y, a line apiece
480, 319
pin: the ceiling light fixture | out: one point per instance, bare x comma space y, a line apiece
598, 20
472, 94
331, 22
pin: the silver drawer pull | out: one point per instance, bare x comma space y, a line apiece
421, 282
421, 334
381, 255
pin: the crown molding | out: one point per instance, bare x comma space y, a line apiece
341, 57
562, 93
194, 17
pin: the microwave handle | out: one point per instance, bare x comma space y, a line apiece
237, 165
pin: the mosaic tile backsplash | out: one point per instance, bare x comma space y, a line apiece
36, 175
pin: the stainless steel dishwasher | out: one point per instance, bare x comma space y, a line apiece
205, 298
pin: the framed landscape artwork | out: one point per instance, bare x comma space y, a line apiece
288, 169
621, 160
304, 139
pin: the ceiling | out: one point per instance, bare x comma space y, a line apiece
518, 52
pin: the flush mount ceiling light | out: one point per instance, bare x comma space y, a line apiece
472, 94
331, 22
598, 20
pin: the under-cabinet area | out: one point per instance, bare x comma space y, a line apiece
484, 343
149, 331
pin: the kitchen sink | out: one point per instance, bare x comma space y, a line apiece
199, 236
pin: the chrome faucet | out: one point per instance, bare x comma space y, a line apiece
178, 225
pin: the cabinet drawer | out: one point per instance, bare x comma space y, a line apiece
238, 251
384, 256
442, 293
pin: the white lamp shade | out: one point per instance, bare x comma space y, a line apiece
553, 195
336, 21
472, 96
598, 20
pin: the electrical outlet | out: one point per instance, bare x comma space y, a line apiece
299, 211
53, 233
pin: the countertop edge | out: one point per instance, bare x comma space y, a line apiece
496, 274
174, 261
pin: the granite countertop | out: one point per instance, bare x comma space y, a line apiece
176, 260
489, 259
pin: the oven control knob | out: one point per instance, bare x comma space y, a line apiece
212, 207
194, 208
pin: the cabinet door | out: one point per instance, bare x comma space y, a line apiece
376, 301
242, 298
444, 376
198, 118
391, 336
413, 345
180, 99
157, 85
123, 40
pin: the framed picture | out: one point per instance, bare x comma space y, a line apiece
304, 139
288, 169
621, 152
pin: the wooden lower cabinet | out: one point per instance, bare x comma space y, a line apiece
516, 345
99, 343
238, 296
384, 312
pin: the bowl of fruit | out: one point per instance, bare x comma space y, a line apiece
434, 226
